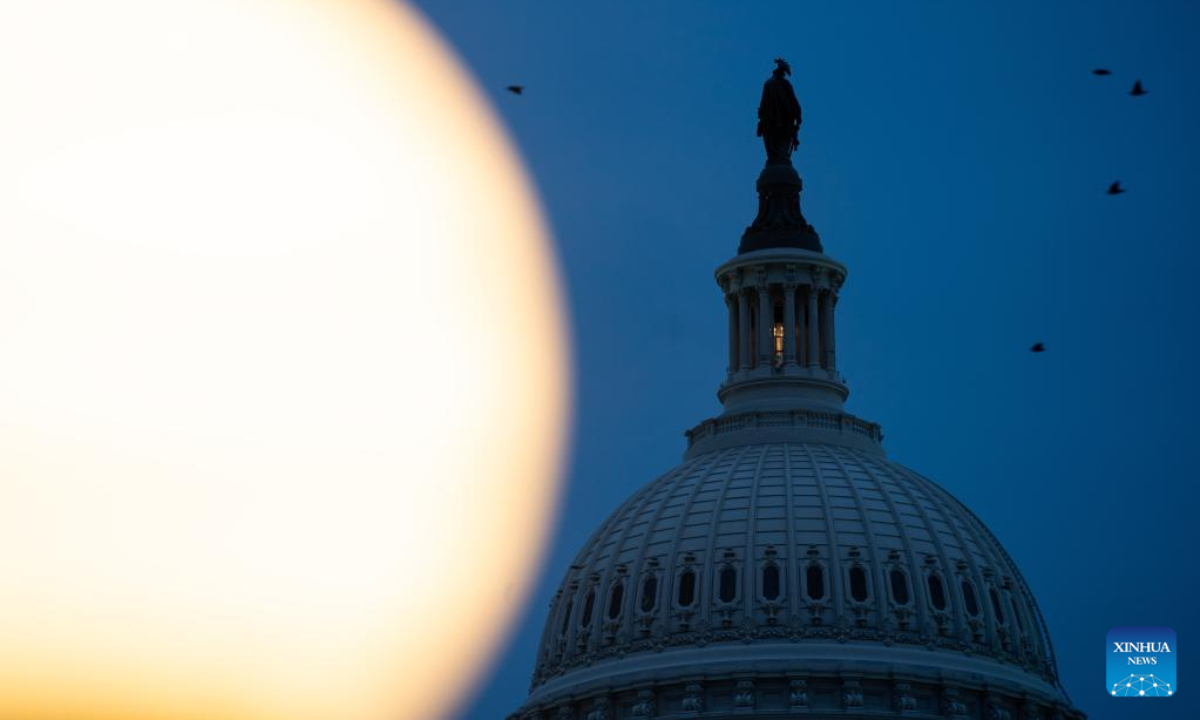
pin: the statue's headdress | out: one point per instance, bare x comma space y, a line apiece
782, 66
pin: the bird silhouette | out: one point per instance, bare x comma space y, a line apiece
1102, 71
1115, 188
515, 89
1038, 347
1137, 90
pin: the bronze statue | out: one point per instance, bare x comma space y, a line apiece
779, 222
779, 116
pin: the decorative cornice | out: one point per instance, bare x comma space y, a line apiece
818, 275
843, 631
782, 265
819, 426
825, 694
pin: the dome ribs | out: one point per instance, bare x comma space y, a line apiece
663, 610
1046, 653
749, 573
709, 558
791, 504
917, 593
632, 513
834, 588
734, 457
874, 566
793, 569
935, 537
590, 548
934, 494
995, 554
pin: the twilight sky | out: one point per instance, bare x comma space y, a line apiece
955, 157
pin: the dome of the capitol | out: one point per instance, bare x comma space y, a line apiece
787, 568
800, 574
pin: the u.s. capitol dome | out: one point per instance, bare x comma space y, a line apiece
787, 568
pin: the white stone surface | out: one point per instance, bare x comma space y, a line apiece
793, 505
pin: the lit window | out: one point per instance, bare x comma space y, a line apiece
770, 582
858, 583
899, 587
728, 589
969, 598
614, 601
649, 593
815, 579
687, 589
777, 330
937, 594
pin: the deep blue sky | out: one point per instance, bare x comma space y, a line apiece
955, 157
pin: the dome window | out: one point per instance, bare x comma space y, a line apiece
649, 593
770, 582
687, 589
566, 621
614, 601
589, 604
899, 587
858, 583
815, 580
937, 593
969, 598
1017, 614
996, 606
727, 591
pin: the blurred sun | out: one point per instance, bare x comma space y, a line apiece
283, 375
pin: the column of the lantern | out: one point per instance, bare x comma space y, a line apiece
731, 307
814, 358
744, 327
766, 323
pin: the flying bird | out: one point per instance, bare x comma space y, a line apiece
1115, 188
1038, 347
1137, 89
1102, 71
515, 89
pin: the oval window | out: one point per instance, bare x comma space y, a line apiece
937, 593
770, 582
1017, 614
649, 593
687, 588
996, 606
814, 578
858, 583
728, 589
614, 601
969, 599
899, 587
588, 605
566, 621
